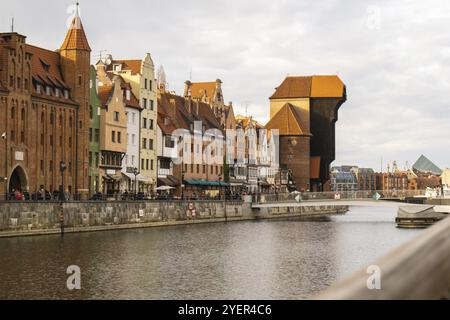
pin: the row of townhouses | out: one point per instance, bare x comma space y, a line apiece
112, 127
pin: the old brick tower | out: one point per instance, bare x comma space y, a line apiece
75, 61
44, 118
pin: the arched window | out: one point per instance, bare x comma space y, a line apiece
23, 114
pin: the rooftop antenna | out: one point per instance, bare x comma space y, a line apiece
100, 53
246, 107
12, 24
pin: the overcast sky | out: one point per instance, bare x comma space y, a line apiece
393, 56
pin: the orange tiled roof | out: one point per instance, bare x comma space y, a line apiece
327, 87
75, 37
288, 122
45, 67
133, 65
104, 93
310, 87
174, 107
198, 89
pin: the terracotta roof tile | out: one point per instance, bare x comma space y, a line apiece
328, 86
75, 37
45, 66
133, 65
198, 89
104, 93
288, 122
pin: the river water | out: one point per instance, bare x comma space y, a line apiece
236, 260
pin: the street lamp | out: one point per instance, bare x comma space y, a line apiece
135, 172
5, 178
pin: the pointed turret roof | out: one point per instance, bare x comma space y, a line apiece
288, 122
75, 37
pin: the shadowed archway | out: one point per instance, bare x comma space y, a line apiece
18, 180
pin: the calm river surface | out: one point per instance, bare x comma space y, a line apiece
237, 260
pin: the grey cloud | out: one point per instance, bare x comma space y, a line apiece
395, 64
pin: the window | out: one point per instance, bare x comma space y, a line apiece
22, 114
133, 118
212, 169
119, 137
90, 159
151, 124
80, 80
48, 90
38, 88
144, 103
204, 168
22, 136
145, 83
19, 84
192, 168
150, 82
57, 92
151, 104
132, 160
51, 140
113, 136
116, 116
144, 123
151, 164
144, 143
150, 144
90, 134
66, 94
90, 112
42, 166
42, 139
128, 94
142, 163
51, 166
133, 136
97, 135
96, 159
198, 168
168, 142
146, 164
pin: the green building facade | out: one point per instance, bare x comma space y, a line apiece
94, 133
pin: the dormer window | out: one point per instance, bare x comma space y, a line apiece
166, 121
38, 88
48, 90
117, 67
66, 93
57, 92
128, 93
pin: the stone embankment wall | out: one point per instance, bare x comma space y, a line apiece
30, 218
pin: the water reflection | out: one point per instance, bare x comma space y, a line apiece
245, 260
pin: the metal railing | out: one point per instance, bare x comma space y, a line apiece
345, 195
